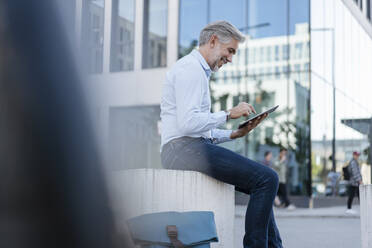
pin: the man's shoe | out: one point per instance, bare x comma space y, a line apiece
291, 207
350, 211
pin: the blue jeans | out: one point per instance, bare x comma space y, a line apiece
261, 182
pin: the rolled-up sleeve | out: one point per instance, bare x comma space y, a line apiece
189, 94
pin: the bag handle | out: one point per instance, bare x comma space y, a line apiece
173, 234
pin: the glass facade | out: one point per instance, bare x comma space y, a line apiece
122, 35
347, 73
155, 26
270, 68
93, 13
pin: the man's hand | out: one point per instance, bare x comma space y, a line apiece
243, 109
247, 128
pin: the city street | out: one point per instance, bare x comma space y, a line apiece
309, 228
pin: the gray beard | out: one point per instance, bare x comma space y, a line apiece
215, 66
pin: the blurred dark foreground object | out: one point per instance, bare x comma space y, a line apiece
195, 229
52, 190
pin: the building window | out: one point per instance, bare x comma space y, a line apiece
122, 35
285, 51
238, 76
262, 72
188, 10
268, 53
359, 3
155, 22
276, 53
298, 50
262, 55
277, 72
253, 55
368, 9
269, 73
285, 70
306, 72
236, 59
242, 56
248, 55
92, 34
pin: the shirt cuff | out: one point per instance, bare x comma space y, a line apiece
221, 117
221, 135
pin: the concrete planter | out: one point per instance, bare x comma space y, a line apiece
142, 191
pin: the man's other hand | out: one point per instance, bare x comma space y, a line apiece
243, 109
247, 128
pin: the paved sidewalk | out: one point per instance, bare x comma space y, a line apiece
308, 228
329, 212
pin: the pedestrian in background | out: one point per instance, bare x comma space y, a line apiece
268, 155
354, 182
267, 159
281, 168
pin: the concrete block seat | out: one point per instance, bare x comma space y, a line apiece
365, 192
141, 191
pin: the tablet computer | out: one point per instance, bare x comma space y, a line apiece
270, 110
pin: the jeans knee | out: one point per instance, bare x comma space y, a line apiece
268, 180
272, 179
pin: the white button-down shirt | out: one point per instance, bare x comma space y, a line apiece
186, 102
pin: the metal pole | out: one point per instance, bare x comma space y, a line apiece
334, 103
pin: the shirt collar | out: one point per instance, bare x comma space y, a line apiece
202, 61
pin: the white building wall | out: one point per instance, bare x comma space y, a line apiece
353, 63
140, 86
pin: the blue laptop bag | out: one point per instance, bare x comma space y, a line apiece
174, 229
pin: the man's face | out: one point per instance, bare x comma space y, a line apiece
283, 153
269, 156
221, 53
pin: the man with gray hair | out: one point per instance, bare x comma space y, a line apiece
190, 132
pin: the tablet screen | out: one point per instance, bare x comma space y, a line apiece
256, 116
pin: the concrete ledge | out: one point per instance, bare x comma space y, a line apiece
143, 191
366, 214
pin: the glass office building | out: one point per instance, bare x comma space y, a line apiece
270, 68
296, 54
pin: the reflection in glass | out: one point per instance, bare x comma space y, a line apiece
155, 22
268, 54
285, 52
92, 34
189, 28
260, 75
122, 35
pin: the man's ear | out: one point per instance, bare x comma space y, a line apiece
213, 41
